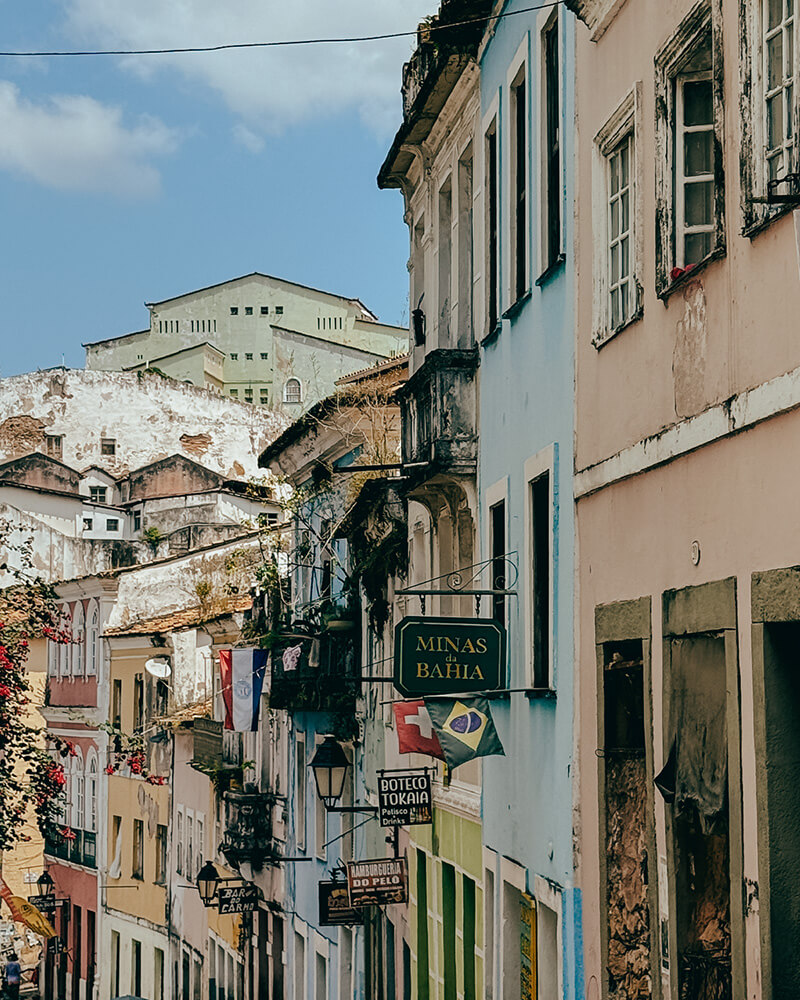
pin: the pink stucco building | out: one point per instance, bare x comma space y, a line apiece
688, 388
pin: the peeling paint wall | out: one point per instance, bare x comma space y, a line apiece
148, 416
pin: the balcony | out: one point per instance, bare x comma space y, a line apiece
248, 827
316, 673
80, 851
439, 406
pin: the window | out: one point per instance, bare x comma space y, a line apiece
497, 541
234, 356
248, 310
235, 393
54, 445
161, 854
551, 114
694, 161
116, 703
136, 967
291, 391
690, 203
423, 979
541, 521
263, 396
199, 845
93, 639
158, 974
445, 255
519, 187
98, 494
492, 258
465, 262
234, 310
108, 446
138, 702
779, 79
248, 395
179, 844
299, 967
300, 792
265, 310
91, 796
78, 794
320, 827
264, 355
617, 299
115, 977
137, 869
112, 524
137, 520
87, 524
248, 357
279, 310
188, 856
620, 288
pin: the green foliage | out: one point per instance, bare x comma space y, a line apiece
152, 537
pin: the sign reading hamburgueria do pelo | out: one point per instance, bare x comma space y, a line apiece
448, 656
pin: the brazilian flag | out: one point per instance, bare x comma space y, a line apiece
464, 727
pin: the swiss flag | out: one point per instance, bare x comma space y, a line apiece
415, 732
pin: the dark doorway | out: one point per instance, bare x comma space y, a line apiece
628, 958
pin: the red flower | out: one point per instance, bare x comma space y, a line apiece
67, 834
156, 779
110, 769
5, 692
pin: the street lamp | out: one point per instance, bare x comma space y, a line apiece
207, 879
45, 884
330, 765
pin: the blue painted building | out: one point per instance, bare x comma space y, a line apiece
526, 336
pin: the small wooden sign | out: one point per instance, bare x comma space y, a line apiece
448, 656
238, 898
378, 882
44, 904
405, 797
334, 905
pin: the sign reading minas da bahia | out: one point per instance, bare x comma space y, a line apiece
448, 656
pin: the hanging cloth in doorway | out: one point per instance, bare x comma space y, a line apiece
696, 770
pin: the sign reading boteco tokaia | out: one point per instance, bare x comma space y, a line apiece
448, 656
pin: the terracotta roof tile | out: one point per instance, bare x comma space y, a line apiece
173, 621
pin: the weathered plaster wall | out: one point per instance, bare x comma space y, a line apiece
149, 417
733, 325
741, 526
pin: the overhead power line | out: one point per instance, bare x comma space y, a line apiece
283, 43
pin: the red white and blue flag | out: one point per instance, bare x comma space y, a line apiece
242, 672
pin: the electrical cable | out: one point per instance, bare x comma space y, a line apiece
183, 50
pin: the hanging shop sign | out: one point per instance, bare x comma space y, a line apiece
448, 656
377, 883
404, 797
238, 898
527, 946
334, 905
44, 904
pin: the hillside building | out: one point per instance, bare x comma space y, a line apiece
257, 338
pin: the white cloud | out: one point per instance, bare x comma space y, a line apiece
73, 142
248, 138
268, 87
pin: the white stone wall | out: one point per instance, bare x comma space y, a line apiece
149, 417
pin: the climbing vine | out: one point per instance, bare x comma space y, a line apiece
32, 780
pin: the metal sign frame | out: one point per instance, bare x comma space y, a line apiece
342, 914
377, 882
238, 898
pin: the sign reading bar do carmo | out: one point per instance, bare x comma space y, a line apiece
448, 656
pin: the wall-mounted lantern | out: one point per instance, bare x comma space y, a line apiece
207, 880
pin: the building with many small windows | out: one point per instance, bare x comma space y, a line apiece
257, 338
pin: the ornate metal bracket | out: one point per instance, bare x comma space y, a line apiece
504, 575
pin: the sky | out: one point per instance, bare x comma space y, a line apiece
136, 178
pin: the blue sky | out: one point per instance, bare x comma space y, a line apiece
132, 179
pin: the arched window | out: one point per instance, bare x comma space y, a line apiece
93, 642
292, 392
65, 625
78, 792
91, 793
78, 646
